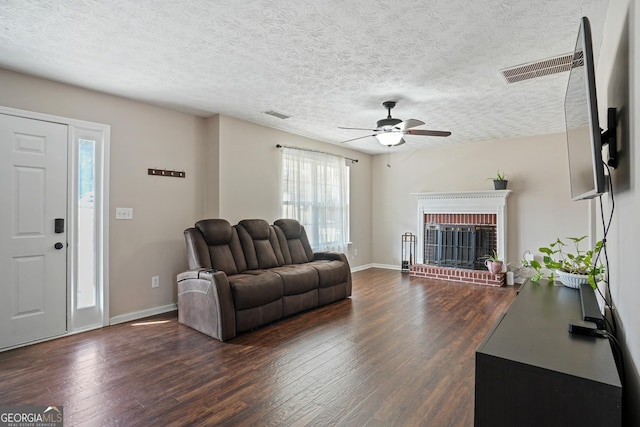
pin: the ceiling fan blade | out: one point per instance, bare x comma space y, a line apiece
427, 132
370, 130
354, 139
408, 124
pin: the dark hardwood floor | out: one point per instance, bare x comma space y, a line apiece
400, 351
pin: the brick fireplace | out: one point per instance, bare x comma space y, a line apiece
455, 230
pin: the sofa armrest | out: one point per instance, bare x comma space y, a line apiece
336, 256
331, 256
205, 303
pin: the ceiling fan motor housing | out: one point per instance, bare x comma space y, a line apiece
387, 124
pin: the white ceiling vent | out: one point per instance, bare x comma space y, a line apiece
276, 114
532, 70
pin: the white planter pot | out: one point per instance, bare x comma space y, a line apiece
571, 280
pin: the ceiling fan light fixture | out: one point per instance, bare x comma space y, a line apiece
389, 138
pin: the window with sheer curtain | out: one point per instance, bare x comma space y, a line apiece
315, 191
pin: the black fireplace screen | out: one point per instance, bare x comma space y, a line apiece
459, 246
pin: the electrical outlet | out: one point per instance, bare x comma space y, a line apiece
355, 252
155, 282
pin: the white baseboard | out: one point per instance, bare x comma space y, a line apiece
387, 266
367, 266
361, 267
128, 317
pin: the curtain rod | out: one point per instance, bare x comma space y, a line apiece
316, 151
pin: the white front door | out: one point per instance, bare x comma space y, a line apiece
33, 251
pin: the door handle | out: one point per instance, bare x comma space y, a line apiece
59, 225
58, 246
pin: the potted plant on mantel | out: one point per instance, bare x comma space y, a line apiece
572, 269
499, 181
493, 263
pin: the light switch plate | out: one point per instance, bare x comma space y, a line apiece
124, 213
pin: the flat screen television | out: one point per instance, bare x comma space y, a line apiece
584, 140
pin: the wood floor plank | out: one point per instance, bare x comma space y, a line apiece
400, 351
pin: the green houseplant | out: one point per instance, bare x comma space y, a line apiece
572, 268
500, 180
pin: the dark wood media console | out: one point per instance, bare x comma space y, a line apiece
530, 371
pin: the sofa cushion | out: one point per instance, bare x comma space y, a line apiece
224, 245
197, 250
330, 273
215, 231
260, 244
254, 290
258, 229
295, 247
296, 303
297, 279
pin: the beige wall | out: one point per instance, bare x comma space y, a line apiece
619, 86
539, 209
211, 167
250, 179
142, 136
232, 171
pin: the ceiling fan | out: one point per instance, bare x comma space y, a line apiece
390, 131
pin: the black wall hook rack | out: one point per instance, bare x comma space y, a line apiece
165, 172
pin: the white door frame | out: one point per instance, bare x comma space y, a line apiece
77, 128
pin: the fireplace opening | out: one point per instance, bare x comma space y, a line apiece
458, 245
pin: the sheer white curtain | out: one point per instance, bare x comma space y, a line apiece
315, 191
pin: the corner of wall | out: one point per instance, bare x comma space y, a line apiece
211, 166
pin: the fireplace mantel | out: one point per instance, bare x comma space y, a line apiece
464, 202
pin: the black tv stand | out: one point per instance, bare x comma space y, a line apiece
530, 371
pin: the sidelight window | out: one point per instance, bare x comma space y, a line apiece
86, 234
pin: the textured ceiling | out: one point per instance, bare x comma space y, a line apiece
325, 63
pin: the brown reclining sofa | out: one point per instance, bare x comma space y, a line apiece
250, 274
